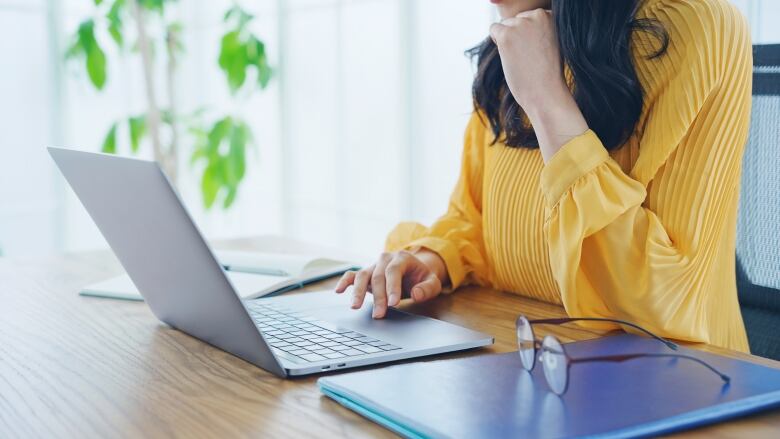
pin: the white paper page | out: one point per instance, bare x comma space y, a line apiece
122, 287
258, 262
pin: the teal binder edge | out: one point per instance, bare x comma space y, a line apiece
370, 414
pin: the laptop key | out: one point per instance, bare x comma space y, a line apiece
368, 349
352, 343
335, 355
319, 340
313, 357
388, 347
298, 351
365, 339
323, 351
341, 348
352, 352
329, 344
341, 339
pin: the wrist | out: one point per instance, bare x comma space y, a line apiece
556, 121
553, 101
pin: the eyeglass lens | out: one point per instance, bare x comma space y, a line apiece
525, 343
554, 364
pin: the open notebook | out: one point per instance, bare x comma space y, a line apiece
253, 274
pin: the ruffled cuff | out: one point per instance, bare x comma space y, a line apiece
575, 159
585, 190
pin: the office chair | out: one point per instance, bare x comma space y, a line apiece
758, 225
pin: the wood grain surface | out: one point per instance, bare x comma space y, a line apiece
73, 366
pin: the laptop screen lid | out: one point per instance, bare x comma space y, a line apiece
143, 220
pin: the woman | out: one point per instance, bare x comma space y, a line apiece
600, 170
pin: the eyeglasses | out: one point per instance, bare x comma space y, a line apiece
556, 362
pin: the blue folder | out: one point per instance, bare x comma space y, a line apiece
493, 396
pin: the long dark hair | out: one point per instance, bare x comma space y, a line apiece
595, 42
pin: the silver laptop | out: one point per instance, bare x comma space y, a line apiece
142, 218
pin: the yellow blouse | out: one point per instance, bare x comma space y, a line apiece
645, 233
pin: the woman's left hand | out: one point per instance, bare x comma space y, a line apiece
531, 59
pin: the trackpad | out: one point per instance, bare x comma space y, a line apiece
399, 328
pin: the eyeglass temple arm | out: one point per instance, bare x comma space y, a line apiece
668, 343
621, 358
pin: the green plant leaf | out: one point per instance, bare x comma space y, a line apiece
98, 2
264, 74
96, 67
109, 143
230, 197
233, 60
153, 5
240, 50
223, 148
95, 57
114, 17
256, 56
235, 163
218, 133
209, 186
198, 154
137, 130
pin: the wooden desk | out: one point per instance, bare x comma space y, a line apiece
73, 366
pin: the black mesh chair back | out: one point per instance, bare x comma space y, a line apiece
758, 228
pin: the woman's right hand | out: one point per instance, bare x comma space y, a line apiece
419, 275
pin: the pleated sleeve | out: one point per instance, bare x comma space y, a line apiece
647, 245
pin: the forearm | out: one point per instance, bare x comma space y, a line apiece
556, 119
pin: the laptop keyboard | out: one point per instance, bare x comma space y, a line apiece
299, 338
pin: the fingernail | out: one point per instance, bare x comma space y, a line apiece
393, 299
416, 294
354, 300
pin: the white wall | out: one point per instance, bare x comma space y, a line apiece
362, 128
